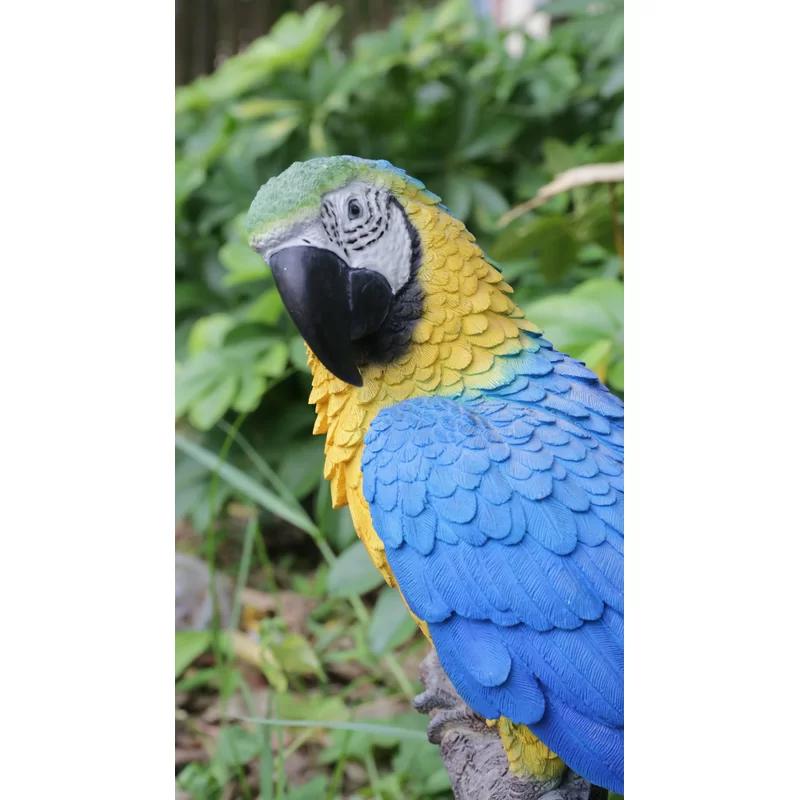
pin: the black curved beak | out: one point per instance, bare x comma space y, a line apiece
332, 305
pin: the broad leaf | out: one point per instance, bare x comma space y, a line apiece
353, 573
189, 645
391, 623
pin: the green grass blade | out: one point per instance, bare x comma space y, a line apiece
250, 533
338, 772
364, 727
244, 484
372, 771
259, 463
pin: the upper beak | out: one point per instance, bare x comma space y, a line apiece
332, 305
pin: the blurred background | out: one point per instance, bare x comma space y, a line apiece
512, 112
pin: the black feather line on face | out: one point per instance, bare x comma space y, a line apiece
371, 241
382, 221
328, 219
393, 338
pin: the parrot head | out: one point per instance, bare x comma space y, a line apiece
345, 256
391, 292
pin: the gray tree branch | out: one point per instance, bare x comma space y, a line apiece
473, 753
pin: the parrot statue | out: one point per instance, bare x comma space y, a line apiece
483, 468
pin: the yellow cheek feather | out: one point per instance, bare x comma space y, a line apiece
468, 320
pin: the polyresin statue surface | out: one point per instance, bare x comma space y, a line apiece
482, 467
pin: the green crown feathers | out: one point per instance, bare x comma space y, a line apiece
296, 193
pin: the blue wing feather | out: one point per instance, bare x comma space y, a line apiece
502, 518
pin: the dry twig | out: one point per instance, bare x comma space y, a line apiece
586, 175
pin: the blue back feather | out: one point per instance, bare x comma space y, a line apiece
502, 518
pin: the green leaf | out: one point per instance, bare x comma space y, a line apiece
251, 390
358, 741
597, 357
313, 704
493, 136
353, 573
343, 532
553, 83
616, 375
489, 202
189, 645
422, 764
192, 381
197, 781
273, 362
335, 523
615, 81
272, 135
266, 308
311, 790
458, 195
301, 466
577, 319
391, 623
231, 374
608, 294
298, 354
208, 333
192, 498
188, 177
559, 156
206, 411
552, 238
243, 263
273, 671
566, 7
437, 781
291, 43
258, 107
296, 656
236, 746
586, 323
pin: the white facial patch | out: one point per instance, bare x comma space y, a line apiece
364, 225
311, 234
369, 230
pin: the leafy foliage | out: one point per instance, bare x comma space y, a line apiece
440, 94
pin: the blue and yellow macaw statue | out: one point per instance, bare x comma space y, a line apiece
482, 467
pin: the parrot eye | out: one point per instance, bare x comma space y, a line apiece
353, 209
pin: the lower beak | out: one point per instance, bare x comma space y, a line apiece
332, 305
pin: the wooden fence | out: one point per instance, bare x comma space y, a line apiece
208, 31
